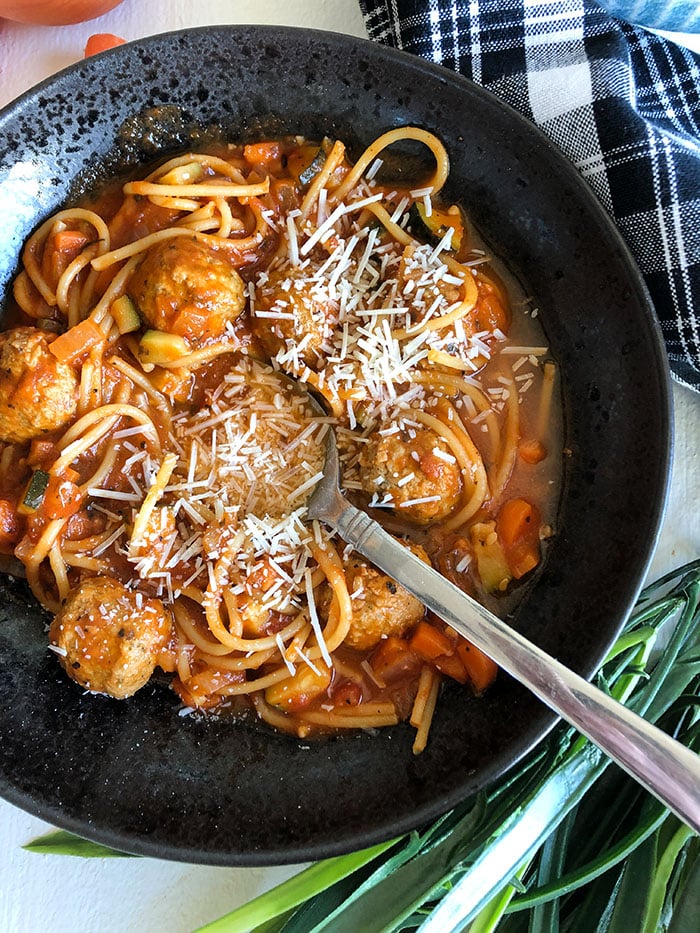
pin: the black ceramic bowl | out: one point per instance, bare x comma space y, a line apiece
136, 775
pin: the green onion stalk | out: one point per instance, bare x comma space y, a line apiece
566, 841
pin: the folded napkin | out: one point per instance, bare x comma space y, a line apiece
678, 15
622, 103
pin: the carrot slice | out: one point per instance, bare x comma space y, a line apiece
480, 668
77, 341
41, 451
514, 517
532, 451
452, 665
393, 659
263, 153
429, 642
100, 42
69, 241
518, 526
62, 498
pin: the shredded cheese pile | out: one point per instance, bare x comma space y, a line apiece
382, 295
232, 506
234, 503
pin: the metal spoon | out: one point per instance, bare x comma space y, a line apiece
658, 762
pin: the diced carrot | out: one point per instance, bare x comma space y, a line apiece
393, 659
481, 670
514, 516
100, 42
452, 666
491, 312
66, 245
61, 499
69, 241
267, 154
41, 452
77, 341
263, 577
429, 642
518, 526
301, 688
532, 451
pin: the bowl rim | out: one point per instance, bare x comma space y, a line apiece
548, 720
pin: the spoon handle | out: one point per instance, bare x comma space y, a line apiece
658, 762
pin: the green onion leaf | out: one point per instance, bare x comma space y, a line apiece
662, 876
687, 909
294, 891
564, 842
60, 842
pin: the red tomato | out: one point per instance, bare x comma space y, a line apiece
100, 42
9, 529
54, 12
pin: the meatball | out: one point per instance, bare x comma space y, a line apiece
108, 638
380, 607
186, 288
409, 467
314, 315
37, 393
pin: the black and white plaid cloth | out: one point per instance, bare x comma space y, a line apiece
622, 103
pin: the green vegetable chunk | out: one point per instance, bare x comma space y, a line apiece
125, 315
36, 490
563, 822
434, 226
157, 347
313, 168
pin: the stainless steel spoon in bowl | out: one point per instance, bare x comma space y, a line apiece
658, 762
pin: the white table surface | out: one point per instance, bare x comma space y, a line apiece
57, 894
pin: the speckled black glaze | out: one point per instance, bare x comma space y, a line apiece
134, 774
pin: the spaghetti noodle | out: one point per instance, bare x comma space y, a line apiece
158, 502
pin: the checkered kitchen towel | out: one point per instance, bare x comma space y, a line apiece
628, 118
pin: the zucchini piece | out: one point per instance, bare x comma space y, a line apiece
187, 174
312, 169
157, 347
49, 326
298, 690
435, 225
491, 562
34, 493
125, 315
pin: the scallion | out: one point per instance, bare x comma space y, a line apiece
564, 842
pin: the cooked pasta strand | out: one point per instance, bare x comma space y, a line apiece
174, 479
